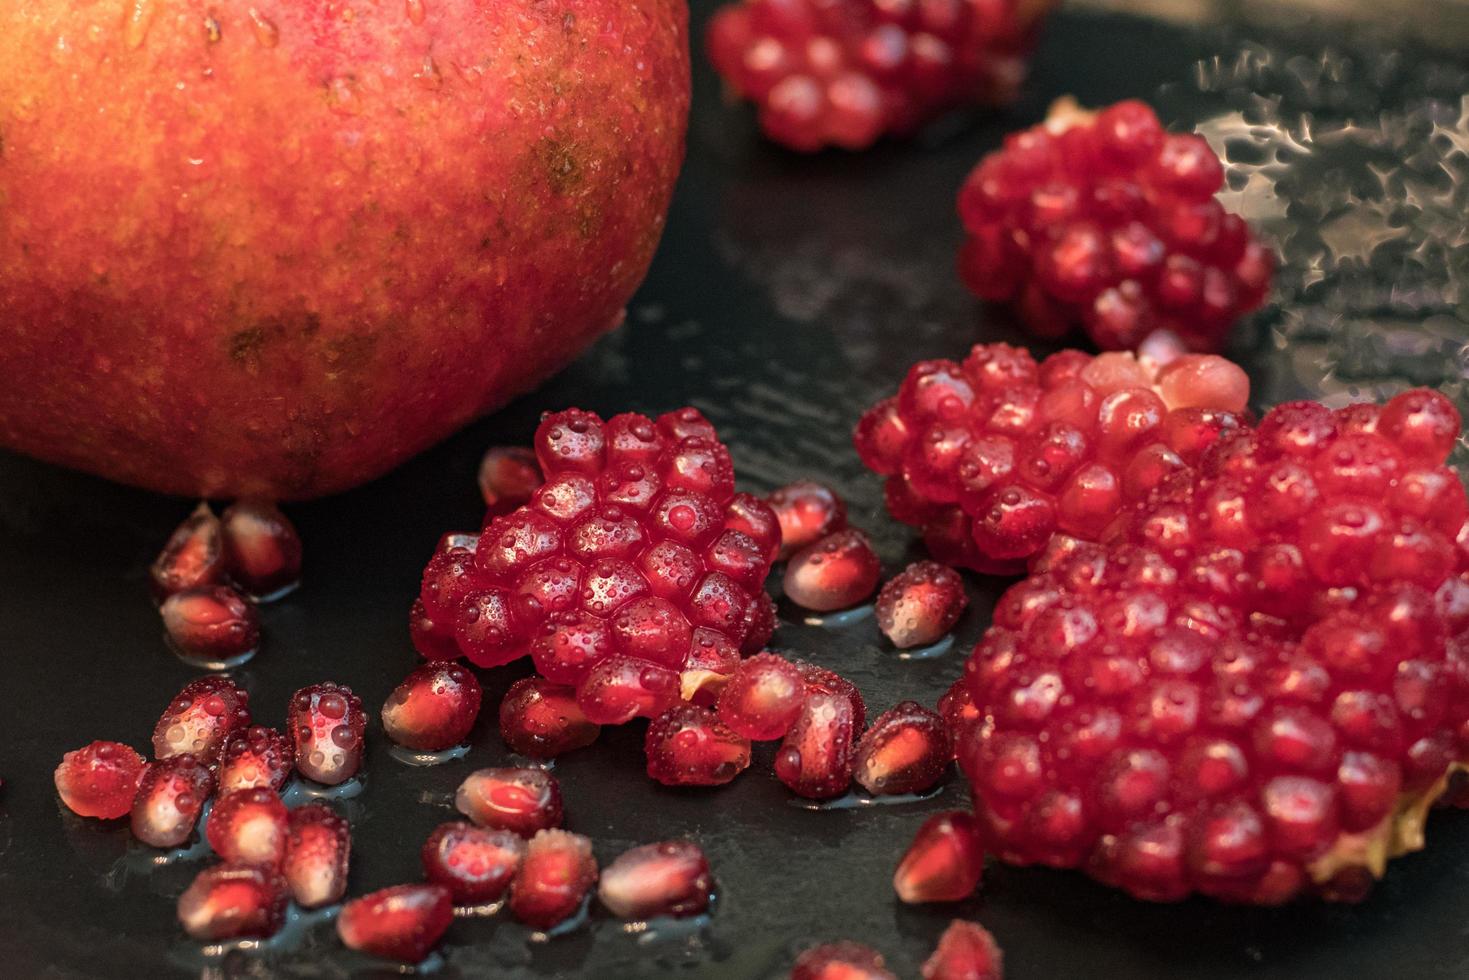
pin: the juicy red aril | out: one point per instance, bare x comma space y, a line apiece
819, 679
833, 573
262, 551
400, 923
844, 960
99, 779
670, 878
200, 718
815, 758
554, 879
256, 756
754, 518
192, 558
249, 826
212, 626
712, 661
233, 901
618, 689
170, 797
921, 604
762, 698
957, 709
542, 720
318, 853
944, 863
508, 475
966, 951
476, 864
906, 750
327, 723
433, 708
689, 746
434, 640
522, 801
807, 511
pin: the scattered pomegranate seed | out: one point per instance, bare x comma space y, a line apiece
192, 557
836, 572
476, 864
763, 697
542, 720
921, 604
200, 718
249, 826
906, 750
844, 960
508, 475
256, 756
966, 951
261, 548
233, 901
522, 801
212, 626
434, 707
401, 923
327, 723
944, 863
170, 797
432, 639
557, 874
318, 853
670, 878
808, 511
618, 689
827, 682
99, 779
815, 759
689, 746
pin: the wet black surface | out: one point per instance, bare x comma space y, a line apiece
789, 294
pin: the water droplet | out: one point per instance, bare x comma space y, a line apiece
265, 30
137, 18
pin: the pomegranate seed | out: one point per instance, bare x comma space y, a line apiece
261, 549
807, 511
201, 718
256, 756
906, 750
214, 626
815, 759
921, 604
670, 878
711, 662
966, 951
433, 708
233, 901
434, 640
522, 801
843, 960
99, 780
542, 720
820, 679
318, 852
249, 826
474, 863
763, 697
753, 517
944, 863
192, 557
836, 572
508, 475
957, 709
170, 797
401, 923
554, 879
618, 689
328, 724
689, 746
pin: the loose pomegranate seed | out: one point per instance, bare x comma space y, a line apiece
318, 853
201, 718
966, 951
542, 720
807, 511
844, 960
522, 801
815, 759
249, 826
433, 708
213, 626
906, 750
763, 697
233, 901
170, 797
554, 879
99, 780
820, 679
474, 863
508, 475
401, 923
327, 722
192, 558
618, 689
689, 746
921, 604
262, 551
944, 863
670, 878
257, 756
836, 572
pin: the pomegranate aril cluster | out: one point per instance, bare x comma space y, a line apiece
847, 72
1106, 221
1255, 685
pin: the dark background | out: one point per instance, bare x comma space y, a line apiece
789, 294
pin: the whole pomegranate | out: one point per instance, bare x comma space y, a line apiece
274, 247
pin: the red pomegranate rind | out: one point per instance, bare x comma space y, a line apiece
849, 72
966, 951
192, 558
508, 475
200, 718
327, 722
1252, 689
670, 878
542, 720
212, 625
921, 604
689, 746
828, 682
170, 797
401, 923
557, 874
807, 511
256, 756
249, 826
233, 901
318, 854
944, 863
523, 801
906, 750
1104, 220
434, 708
262, 551
99, 780
763, 697
844, 960
835, 572
476, 864
815, 758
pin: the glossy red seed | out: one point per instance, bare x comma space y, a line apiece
192, 558
233, 901
542, 720
906, 750
249, 826
966, 951
401, 923
921, 604
170, 797
689, 746
762, 698
255, 756
433, 639
844, 960
666, 879
99, 779
433, 708
833, 573
262, 551
808, 511
815, 758
554, 880
827, 682
327, 722
201, 718
522, 801
476, 864
213, 626
508, 475
944, 863
618, 689
318, 855
753, 517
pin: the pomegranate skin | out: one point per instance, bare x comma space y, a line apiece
278, 255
